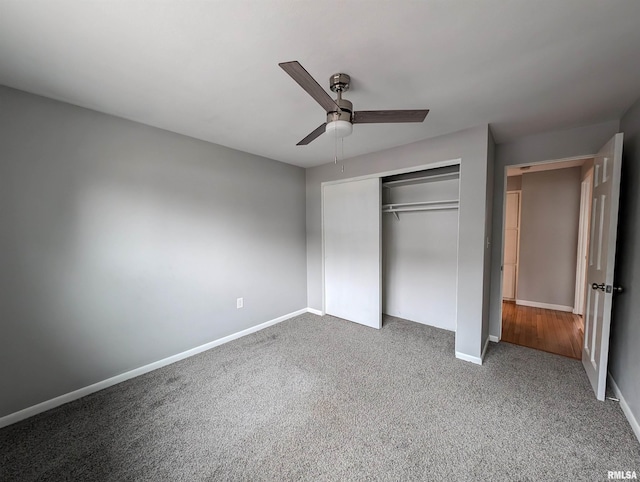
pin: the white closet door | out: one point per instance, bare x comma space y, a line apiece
352, 256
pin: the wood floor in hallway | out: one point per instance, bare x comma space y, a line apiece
548, 330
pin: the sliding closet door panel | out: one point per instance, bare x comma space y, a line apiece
352, 257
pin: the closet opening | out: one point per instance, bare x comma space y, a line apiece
390, 246
420, 246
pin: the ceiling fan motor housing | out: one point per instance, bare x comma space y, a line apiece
339, 121
344, 112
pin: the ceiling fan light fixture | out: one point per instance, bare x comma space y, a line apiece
339, 128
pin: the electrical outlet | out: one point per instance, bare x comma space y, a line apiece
239, 303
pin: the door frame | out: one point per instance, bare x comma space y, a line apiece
405, 170
504, 214
515, 284
586, 189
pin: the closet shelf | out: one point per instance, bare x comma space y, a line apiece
421, 180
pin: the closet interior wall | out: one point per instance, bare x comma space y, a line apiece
420, 246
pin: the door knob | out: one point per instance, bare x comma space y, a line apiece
607, 288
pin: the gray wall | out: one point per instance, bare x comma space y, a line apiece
471, 146
550, 213
420, 256
624, 355
514, 183
582, 141
123, 244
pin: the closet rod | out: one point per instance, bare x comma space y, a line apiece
395, 211
422, 208
420, 203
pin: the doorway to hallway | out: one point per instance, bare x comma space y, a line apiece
546, 231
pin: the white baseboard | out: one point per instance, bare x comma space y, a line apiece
494, 339
473, 359
546, 306
313, 311
635, 426
83, 392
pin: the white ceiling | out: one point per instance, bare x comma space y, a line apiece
209, 69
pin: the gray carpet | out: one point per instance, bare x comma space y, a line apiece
323, 399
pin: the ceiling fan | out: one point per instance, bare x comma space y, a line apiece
340, 113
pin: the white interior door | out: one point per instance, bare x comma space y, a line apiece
352, 255
602, 251
511, 241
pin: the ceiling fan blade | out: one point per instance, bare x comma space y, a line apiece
309, 84
315, 134
384, 116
